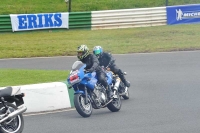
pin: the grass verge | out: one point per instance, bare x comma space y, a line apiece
63, 43
120, 41
13, 77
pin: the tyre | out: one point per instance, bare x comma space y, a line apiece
13, 125
115, 105
126, 95
85, 110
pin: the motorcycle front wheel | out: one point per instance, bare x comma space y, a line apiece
13, 125
84, 109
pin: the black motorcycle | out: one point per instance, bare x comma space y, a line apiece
11, 109
119, 85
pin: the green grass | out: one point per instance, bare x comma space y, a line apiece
48, 6
64, 43
117, 41
12, 77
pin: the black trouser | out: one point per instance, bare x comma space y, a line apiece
119, 72
101, 77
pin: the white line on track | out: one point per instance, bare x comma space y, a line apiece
49, 112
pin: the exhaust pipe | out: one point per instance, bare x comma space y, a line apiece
116, 86
15, 113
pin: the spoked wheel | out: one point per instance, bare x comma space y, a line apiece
126, 94
116, 104
84, 109
13, 125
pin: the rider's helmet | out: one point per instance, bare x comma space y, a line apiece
97, 51
82, 51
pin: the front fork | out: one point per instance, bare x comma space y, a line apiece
86, 95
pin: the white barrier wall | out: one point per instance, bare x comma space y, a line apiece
128, 18
45, 96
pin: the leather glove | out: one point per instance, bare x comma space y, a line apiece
108, 69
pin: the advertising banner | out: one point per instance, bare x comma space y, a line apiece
22, 22
183, 14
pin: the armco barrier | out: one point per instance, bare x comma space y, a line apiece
109, 19
77, 20
46, 97
5, 23
127, 18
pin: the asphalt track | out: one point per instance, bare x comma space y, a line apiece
165, 96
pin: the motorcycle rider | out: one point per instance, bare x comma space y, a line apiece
107, 60
92, 64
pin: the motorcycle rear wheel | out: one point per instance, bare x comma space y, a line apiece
14, 125
85, 110
115, 105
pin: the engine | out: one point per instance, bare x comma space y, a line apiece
100, 96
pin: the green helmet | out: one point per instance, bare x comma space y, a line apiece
98, 50
82, 52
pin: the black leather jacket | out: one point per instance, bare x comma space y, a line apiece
92, 63
106, 59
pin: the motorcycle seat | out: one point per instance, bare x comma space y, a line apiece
9, 91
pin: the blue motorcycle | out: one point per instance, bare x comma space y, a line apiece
88, 93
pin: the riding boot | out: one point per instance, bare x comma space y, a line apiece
126, 83
109, 92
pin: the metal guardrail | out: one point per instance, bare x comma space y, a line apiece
107, 19
127, 18
5, 23
77, 20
